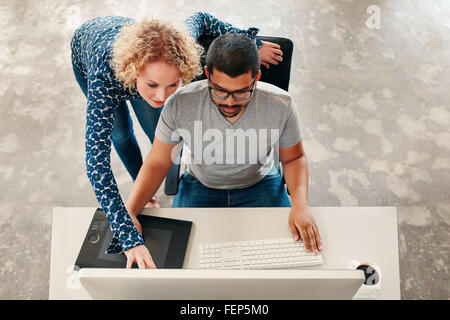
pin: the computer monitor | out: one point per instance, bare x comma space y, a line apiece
200, 284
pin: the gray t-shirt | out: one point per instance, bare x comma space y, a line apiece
223, 155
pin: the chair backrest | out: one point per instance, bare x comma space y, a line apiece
278, 75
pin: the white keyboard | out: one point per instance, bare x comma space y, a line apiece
258, 254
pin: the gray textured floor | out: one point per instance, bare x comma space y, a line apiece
374, 105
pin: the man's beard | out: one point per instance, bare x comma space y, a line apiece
233, 112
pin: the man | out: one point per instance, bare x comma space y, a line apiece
232, 129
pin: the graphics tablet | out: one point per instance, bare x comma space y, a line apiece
166, 239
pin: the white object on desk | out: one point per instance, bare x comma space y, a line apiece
367, 291
195, 284
257, 254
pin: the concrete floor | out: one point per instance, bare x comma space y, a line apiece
374, 105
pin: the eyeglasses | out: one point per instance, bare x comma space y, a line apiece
239, 95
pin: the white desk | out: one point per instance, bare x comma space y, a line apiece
348, 233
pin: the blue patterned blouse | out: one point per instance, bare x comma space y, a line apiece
91, 46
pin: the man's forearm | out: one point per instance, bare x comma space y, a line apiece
147, 183
296, 177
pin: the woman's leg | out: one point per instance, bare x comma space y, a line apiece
125, 142
191, 194
147, 116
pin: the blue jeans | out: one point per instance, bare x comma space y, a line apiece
123, 137
269, 192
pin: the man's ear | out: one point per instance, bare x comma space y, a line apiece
258, 76
206, 71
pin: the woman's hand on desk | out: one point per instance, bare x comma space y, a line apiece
301, 219
139, 254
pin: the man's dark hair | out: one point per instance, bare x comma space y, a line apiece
233, 54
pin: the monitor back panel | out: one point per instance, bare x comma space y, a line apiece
193, 284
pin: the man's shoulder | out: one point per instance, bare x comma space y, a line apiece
271, 96
192, 88
269, 90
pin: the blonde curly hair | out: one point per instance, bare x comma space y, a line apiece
151, 40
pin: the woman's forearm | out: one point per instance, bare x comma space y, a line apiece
204, 23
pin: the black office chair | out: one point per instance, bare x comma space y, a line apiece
278, 75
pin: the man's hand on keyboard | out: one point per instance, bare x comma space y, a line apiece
301, 220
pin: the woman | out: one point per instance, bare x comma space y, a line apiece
116, 59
